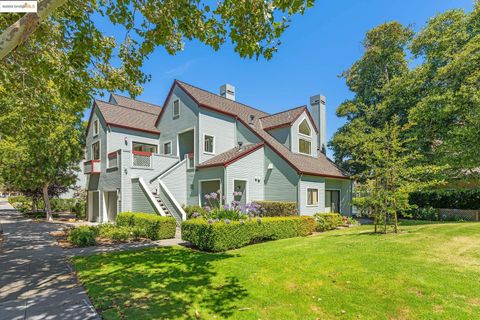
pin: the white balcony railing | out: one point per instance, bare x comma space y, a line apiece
92, 166
141, 159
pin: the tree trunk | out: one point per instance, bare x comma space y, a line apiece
26, 25
48, 209
34, 204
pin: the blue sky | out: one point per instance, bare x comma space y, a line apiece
315, 50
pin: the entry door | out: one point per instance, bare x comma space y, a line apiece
209, 187
240, 191
332, 201
111, 201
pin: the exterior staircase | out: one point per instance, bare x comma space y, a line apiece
162, 204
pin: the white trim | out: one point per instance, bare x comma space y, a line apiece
339, 198
147, 143
309, 126
171, 147
306, 196
173, 108
174, 201
171, 169
194, 144
213, 143
200, 197
247, 198
150, 196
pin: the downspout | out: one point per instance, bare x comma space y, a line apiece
298, 192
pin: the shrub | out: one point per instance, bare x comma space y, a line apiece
62, 205
190, 210
448, 199
79, 209
224, 235
327, 221
83, 236
155, 227
278, 208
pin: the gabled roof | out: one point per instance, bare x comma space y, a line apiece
230, 156
126, 117
303, 164
136, 104
285, 119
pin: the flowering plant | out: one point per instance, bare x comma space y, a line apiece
234, 211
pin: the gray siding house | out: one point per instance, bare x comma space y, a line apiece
147, 158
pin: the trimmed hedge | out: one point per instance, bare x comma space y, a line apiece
83, 236
448, 199
278, 208
156, 227
226, 235
190, 210
327, 221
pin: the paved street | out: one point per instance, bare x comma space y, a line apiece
36, 280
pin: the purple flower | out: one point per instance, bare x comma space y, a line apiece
226, 207
217, 220
227, 221
213, 195
210, 221
207, 196
195, 215
208, 209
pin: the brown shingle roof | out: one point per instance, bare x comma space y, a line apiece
230, 156
136, 104
127, 117
318, 166
284, 118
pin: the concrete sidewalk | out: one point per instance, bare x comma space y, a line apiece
36, 280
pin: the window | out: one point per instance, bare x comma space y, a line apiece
95, 127
304, 128
312, 197
96, 150
176, 108
208, 144
167, 147
144, 147
305, 146
332, 201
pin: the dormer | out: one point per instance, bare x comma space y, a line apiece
295, 129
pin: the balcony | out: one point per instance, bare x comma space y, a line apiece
92, 167
141, 159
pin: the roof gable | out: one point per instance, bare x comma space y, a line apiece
230, 156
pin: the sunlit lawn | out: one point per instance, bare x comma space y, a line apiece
428, 271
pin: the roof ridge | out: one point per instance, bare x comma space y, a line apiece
240, 103
126, 107
152, 104
280, 112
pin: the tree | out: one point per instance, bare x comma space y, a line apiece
254, 26
393, 172
383, 60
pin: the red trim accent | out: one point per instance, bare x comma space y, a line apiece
311, 120
190, 154
142, 153
92, 162
90, 117
165, 102
237, 157
132, 128
113, 154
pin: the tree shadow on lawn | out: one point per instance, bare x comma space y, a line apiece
160, 283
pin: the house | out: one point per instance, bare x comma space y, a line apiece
143, 157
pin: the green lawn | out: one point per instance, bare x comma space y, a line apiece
429, 271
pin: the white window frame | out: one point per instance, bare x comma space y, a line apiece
99, 150
213, 143
306, 197
177, 101
200, 195
96, 127
171, 147
309, 126
308, 140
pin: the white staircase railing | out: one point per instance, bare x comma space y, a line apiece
171, 203
151, 197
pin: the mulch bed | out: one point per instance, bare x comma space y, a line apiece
61, 237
